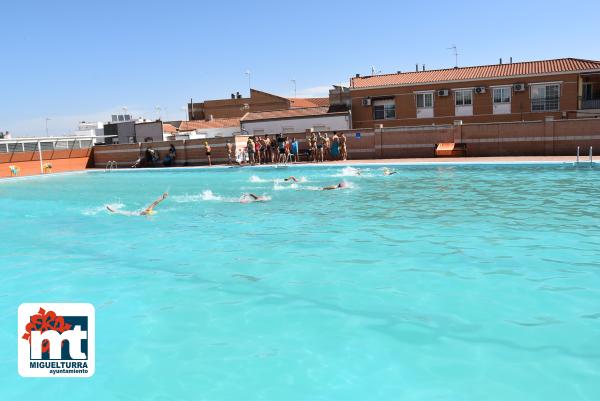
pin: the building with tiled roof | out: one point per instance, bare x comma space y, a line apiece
297, 102
296, 120
532, 90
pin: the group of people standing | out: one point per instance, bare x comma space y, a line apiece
281, 149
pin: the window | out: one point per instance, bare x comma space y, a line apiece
545, 97
464, 97
502, 95
424, 100
501, 99
384, 109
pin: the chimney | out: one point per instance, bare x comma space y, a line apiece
423, 67
233, 95
417, 67
398, 72
511, 60
500, 60
238, 95
357, 75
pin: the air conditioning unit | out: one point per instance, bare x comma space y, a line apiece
519, 87
366, 102
443, 92
480, 89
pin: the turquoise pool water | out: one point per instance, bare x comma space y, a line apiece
437, 283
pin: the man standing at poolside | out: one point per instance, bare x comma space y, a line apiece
229, 152
343, 149
250, 150
294, 150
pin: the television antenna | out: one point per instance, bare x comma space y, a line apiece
455, 52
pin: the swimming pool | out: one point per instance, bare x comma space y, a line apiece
436, 283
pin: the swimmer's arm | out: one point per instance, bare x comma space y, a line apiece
253, 196
156, 202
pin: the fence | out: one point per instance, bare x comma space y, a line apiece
532, 138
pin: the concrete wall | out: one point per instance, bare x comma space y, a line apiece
61, 160
152, 130
334, 123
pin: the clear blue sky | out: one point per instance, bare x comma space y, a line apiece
80, 60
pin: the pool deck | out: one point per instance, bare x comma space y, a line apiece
495, 159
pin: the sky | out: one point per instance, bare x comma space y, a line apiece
73, 61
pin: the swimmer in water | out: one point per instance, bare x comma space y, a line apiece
146, 212
341, 185
291, 178
249, 198
387, 171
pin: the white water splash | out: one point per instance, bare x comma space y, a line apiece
209, 196
349, 172
256, 178
279, 187
92, 211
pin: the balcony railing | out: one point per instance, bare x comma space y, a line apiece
590, 104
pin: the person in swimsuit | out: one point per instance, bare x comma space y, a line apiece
291, 178
387, 171
320, 145
295, 150
326, 147
250, 150
146, 212
313, 146
207, 149
273, 149
267, 148
341, 185
335, 146
343, 149
249, 198
229, 152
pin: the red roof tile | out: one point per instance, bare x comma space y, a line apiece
287, 113
477, 72
214, 123
169, 128
297, 102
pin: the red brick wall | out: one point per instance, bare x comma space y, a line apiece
406, 114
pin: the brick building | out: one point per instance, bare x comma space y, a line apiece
562, 88
238, 106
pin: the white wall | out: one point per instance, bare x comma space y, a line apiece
331, 123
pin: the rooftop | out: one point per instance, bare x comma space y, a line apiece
286, 113
477, 72
214, 123
297, 102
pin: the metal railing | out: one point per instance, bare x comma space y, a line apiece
590, 104
31, 144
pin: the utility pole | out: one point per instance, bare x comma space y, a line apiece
249, 84
47, 119
294, 82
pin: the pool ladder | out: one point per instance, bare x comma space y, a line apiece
591, 156
111, 165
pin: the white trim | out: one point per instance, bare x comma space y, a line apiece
546, 83
463, 89
503, 86
421, 92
